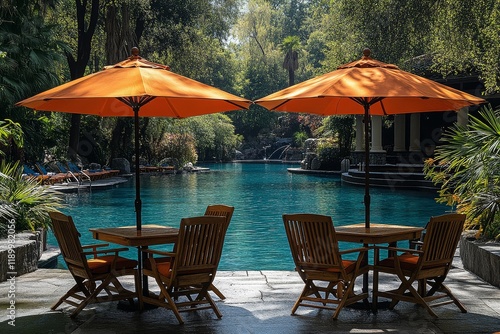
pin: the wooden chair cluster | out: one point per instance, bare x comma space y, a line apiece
315, 251
184, 276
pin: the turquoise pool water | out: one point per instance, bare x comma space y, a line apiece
260, 193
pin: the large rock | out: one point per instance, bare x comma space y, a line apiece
481, 258
28, 248
122, 164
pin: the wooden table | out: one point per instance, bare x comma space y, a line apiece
129, 236
376, 234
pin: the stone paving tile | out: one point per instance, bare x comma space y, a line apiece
257, 302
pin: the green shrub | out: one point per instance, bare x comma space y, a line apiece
329, 154
467, 168
24, 200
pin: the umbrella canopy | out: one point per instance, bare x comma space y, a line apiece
136, 87
368, 87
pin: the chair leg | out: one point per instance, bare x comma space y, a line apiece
375, 291
92, 296
207, 297
217, 292
439, 286
302, 295
169, 301
72, 291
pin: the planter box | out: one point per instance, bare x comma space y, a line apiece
481, 258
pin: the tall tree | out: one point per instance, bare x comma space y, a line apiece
121, 36
28, 59
77, 66
290, 46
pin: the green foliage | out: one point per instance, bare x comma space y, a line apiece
214, 136
467, 166
341, 128
24, 200
11, 135
299, 138
28, 65
329, 154
178, 147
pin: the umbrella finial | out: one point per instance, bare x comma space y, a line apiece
135, 53
366, 53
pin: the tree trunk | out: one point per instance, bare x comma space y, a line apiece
77, 67
120, 38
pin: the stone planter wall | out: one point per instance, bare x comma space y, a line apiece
481, 258
28, 249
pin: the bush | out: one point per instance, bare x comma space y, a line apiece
329, 154
467, 168
24, 200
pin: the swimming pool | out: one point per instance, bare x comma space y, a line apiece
260, 193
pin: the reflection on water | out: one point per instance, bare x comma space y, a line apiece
260, 193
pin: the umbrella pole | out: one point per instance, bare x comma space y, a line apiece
367, 165
138, 203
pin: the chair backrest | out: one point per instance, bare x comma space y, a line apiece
220, 210
29, 171
69, 243
198, 249
61, 167
313, 242
41, 168
441, 239
73, 167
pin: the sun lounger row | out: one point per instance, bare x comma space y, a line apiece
59, 172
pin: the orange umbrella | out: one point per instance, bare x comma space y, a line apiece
136, 87
368, 87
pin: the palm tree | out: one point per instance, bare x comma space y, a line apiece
24, 200
290, 46
467, 167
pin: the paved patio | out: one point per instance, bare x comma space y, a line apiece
257, 302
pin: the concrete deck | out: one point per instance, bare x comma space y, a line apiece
68, 187
257, 302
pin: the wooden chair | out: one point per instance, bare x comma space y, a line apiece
185, 281
96, 278
319, 262
427, 266
226, 212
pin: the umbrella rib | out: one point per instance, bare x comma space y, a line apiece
135, 101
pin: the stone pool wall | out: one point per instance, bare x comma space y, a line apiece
27, 250
481, 258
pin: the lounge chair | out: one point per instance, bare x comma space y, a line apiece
319, 262
53, 177
427, 266
87, 175
185, 282
96, 278
78, 177
30, 173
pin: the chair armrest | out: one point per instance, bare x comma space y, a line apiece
106, 251
157, 252
405, 250
94, 246
354, 250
